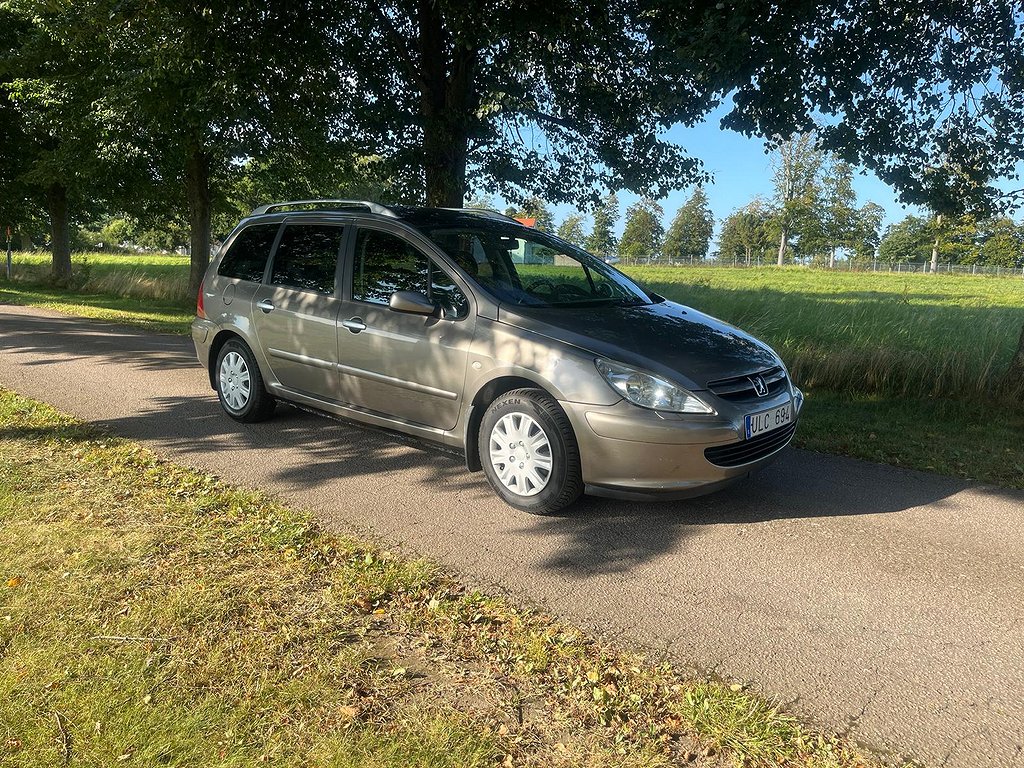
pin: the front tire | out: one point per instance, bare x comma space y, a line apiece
529, 452
239, 384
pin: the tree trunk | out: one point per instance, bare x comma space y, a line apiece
444, 161
57, 207
935, 245
832, 259
197, 189
783, 242
1013, 380
447, 73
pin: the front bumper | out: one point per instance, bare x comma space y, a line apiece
631, 452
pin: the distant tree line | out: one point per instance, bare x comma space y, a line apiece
814, 217
818, 219
644, 235
993, 242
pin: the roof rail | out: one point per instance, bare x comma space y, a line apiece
377, 208
486, 212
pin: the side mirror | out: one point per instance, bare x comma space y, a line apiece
412, 302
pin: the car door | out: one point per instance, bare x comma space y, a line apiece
406, 366
295, 311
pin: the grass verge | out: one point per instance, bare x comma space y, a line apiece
152, 615
975, 440
153, 315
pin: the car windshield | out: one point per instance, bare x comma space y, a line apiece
531, 268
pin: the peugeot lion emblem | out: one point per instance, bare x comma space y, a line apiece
759, 386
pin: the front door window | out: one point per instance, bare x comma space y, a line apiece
385, 264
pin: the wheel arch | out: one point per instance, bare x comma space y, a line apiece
484, 396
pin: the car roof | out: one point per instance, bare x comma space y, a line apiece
416, 216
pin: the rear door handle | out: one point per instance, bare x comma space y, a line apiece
266, 305
355, 325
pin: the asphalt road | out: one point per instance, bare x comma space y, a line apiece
884, 603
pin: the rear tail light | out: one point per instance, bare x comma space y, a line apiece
200, 309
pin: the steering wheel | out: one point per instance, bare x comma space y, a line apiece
571, 290
543, 282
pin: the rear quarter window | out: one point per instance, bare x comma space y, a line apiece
247, 257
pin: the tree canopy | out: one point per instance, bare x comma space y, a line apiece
927, 95
562, 100
565, 101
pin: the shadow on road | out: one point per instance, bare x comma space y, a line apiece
313, 448
595, 536
602, 536
56, 338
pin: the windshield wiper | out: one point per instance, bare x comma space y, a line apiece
631, 301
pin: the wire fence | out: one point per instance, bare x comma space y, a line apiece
843, 265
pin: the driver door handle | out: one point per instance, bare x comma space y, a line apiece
355, 325
266, 305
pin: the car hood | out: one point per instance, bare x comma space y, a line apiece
667, 338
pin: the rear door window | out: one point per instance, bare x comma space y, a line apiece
247, 257
307, 257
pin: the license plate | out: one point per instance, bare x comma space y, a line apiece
765, 421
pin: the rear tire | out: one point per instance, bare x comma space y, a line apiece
529, 452
239, 384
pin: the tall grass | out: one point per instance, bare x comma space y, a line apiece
921, 335
163, 277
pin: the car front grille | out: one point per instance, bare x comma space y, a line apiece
746, 451
742, 387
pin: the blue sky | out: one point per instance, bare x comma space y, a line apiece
741, 171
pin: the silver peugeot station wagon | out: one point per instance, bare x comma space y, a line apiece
550, 370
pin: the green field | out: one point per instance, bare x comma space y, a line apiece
899, 368
149, 290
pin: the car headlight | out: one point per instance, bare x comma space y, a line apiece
648, 390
